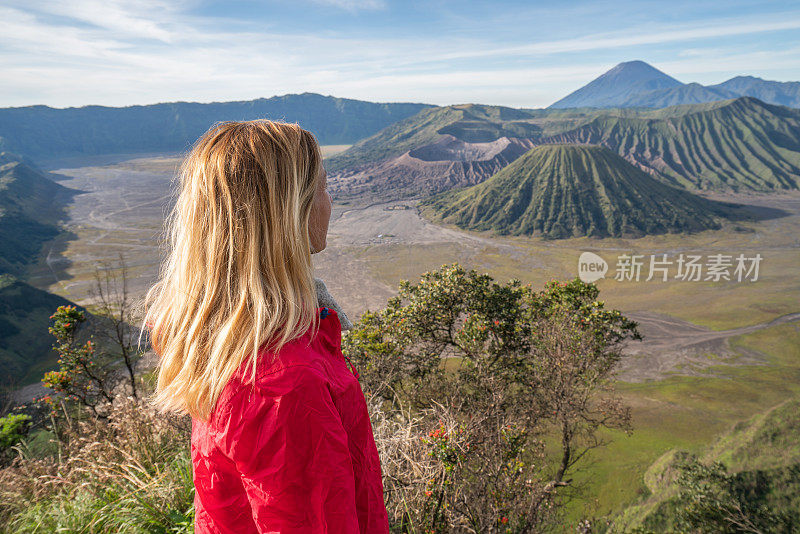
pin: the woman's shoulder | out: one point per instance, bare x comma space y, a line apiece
285, 381
301, 364
313, 349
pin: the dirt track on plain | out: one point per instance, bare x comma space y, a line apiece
673, 346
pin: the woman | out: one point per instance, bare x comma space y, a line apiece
281, 437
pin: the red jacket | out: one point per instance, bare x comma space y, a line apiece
295, 454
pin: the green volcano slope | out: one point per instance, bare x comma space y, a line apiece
734, 145
472, 123
561, 191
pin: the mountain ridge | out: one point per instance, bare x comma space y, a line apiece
633, 84
31, 206
772, 92
428, 125
41, 131
737, 145
690, 93
740, 144
29, 212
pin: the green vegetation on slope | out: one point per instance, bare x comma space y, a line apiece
41, 131
690, 413
759, 464
730, 145
741, 144
28, 212
560, 191
30, 208
25, 349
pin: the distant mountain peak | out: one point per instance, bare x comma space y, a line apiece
640, 85
747, 78
614, 87
638, 66
771, 92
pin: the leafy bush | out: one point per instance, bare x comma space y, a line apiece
711, 500
13, 428
748, 480
494, 393
79, 377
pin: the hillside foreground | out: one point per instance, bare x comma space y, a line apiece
714, 354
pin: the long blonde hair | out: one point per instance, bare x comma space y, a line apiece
238, 273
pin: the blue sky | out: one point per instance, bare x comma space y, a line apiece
522, 54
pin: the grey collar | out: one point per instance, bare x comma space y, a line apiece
326, 299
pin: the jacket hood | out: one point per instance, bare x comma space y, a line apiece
326, 300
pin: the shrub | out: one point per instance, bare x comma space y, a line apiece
711, 500
472, 381
79, 377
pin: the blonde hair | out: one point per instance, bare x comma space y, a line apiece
239, 272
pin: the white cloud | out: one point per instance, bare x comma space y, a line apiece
115, 53
623, 38
144, 19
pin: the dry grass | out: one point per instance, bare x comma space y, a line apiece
130, 474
